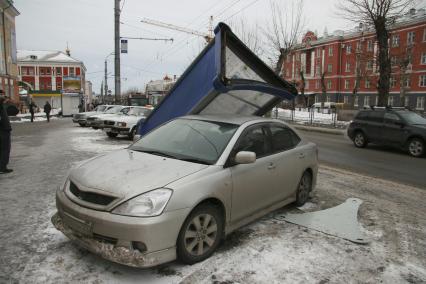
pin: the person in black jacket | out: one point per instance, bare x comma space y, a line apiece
5, 129
47, 109
32, 107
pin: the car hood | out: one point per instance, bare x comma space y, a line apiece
130, 119
105, 115
127, 173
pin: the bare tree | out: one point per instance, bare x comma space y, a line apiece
249, 34
283, 31
379, 14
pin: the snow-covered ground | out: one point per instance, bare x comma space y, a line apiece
38, 116
266, 251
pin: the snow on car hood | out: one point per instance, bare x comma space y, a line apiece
128, 173
129, 119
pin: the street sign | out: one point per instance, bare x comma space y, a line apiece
124, 46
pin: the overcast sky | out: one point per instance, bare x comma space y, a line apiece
88, 27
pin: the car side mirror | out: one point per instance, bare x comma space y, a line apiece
245, 157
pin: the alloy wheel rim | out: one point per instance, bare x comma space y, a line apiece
416, 148
304, 188
359, 139
200, 234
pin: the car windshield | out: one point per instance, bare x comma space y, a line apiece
190, 140
114, 109
100, 108
412, 117
138, 111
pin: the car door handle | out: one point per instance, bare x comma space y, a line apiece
301, 155
271, 166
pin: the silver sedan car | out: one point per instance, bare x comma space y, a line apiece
184, 186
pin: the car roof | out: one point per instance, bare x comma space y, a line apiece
228, 118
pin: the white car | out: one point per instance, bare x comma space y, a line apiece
125, 124
96, 121
81, 118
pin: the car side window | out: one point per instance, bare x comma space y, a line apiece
283, 138
375, 116
391, 118
254, 139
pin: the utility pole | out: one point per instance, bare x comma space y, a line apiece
116, 50
106, 79
102, 92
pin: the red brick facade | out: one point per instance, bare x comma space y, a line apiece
347, 58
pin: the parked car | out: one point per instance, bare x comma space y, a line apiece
81, 118
125, 124
395, 127
184, 186
96, 121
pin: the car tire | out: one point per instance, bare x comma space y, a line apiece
132, 133
360, 141
95, 127
200, 234
304, 188
111, 135
416, 147
82, 124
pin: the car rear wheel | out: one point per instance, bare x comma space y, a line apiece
360, 140
111, 134
200, 234
416, 147
305, 187
82, 124
132, 133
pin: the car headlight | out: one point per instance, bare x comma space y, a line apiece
121, 124
147, 204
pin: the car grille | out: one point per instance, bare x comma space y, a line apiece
108, 122
91, 197
105, 239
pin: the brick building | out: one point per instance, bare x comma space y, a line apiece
344, 65
53, 76
8, 59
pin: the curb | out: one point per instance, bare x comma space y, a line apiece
319, 129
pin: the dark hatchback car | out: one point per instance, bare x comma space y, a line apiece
399, 128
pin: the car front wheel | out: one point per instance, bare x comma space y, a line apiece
416, 147
111, 134
305, 187
200, 234
360, 140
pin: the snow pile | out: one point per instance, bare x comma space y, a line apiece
96, 141
304, 116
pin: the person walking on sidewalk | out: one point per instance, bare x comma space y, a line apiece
32, 107
47, 109
5, 129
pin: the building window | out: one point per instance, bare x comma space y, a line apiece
406, 82
58, 85
423, 60
318, 70
392, 82
410, 38
24, 71
318, 52
394, 61
395, 40
306, 84
329, 84
42, 72
317, 99
355, 101
48, 71
72, 71
317, 84
420, 103
407, 101
367, 101
358, 46
346, 84
424, 35
410, 58
330, 50
390, 101
348, 67
370, 65
367, 83
58, 71
346, 99
330, 68
377, 100
422, 80
327, 99
370, 45
348, 48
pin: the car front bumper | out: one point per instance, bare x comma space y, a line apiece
117, 130
113, 237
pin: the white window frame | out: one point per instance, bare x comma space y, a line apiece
329, 84
407, 101
395, 40
390, 101
366, 100
370, 65
406, 82
420, 103
330, 68
377, 100
348, 67
355, 101
348, 48
327, 99
367, 83
422, 80
330, 51
410, 37
424, 35
317, 84
423, 58
347, 84
370, 45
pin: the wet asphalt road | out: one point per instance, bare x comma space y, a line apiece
378, 161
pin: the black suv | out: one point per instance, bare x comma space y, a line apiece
389, 126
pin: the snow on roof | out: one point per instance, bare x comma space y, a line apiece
44, 56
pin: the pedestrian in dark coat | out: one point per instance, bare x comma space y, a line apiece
32, 107
5, 129
47, 109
